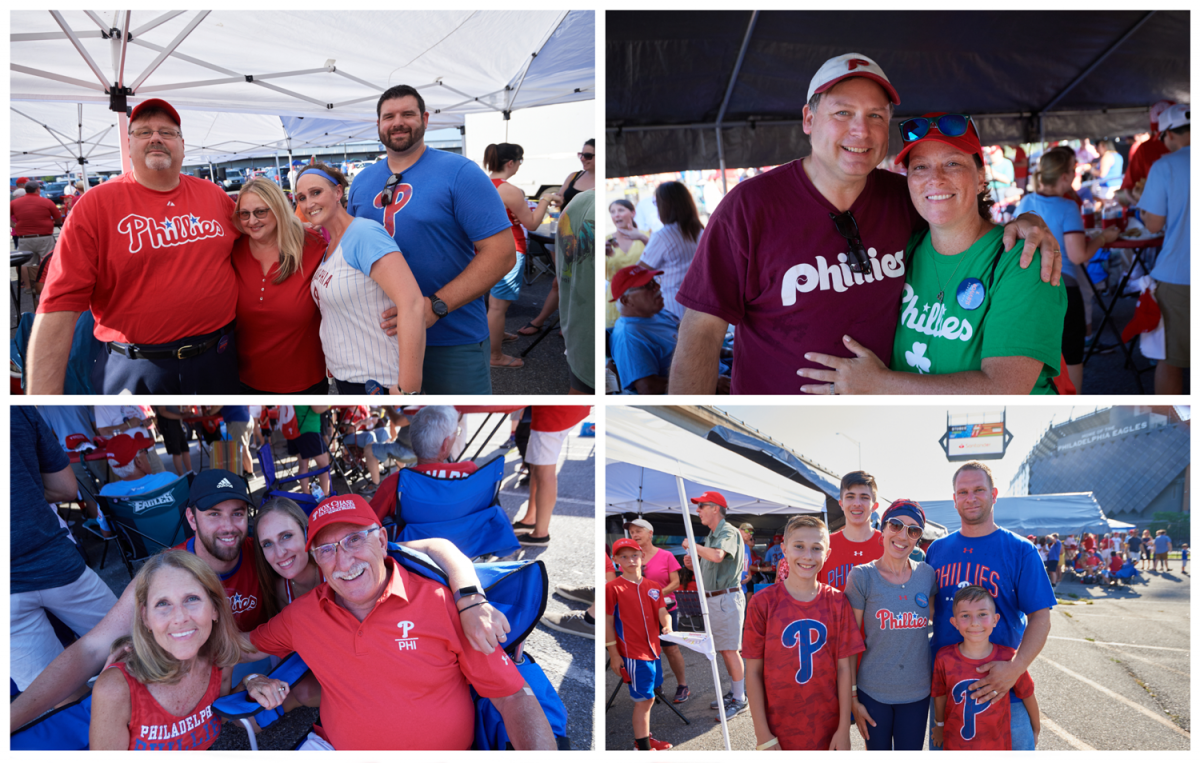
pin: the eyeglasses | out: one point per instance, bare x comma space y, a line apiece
848, 228
589, 157
950, 125
389, 188
244, 214
653, 285
146, 132
897, 526
351, 543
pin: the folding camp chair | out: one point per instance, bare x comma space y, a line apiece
465, 511
518, 589
266, 459
149, 522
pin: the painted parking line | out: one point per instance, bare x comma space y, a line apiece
560, 499
1066, 736
1121, 617
1103, 690
1117, 643
1130, 655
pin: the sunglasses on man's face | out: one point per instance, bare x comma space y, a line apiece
950, 125
897, 526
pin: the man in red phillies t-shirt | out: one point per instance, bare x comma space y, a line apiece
774, 263
857, 542
149, 254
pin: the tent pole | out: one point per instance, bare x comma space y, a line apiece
278, 174
709, 651
737, 69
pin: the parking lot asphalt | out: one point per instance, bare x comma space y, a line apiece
1114, 675
567, 660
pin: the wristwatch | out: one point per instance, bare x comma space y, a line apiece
462, 593
439, 307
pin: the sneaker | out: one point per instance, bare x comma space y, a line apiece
656, 744
726, 699
682, 694
734, 708
509, 444
582, 594
569, 622
530, 539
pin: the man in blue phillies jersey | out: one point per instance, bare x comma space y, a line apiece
1008, 567
453, 231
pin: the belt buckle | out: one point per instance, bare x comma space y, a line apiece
181, 350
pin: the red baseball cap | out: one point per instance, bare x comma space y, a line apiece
155, 103
625, 543
1156, 111
712, 496
968, 142
77, 441
123, 448
351, 509
846, 66
630, 278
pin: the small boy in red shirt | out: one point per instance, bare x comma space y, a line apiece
635, 611
797, 643
963, 723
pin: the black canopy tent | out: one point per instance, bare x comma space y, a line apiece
674, 76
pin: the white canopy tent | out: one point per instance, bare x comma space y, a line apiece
231, 62
653, 465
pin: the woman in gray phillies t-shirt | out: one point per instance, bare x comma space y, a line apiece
893, 597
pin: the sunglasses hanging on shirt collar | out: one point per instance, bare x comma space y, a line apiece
389, 188
848, 228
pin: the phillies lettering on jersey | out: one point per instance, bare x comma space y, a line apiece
803, 278
172, 231
242, 603
961, 695
808, 637
963, 574
892, 621
401, 195
200, 726
837, 576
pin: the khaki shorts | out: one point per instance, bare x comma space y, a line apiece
725, 616
1173, 300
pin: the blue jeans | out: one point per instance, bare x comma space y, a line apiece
1022, 726
897, 727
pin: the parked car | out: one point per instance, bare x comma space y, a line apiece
234, 180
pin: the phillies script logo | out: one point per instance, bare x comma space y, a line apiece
807, 637
241, 603
171, 231
894, 621
333, 507
401, 195
857, 62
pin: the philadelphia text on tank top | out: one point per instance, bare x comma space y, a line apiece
804, 277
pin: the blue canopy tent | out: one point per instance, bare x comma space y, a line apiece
1063, 513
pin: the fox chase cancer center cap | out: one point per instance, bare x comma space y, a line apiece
212, 486
351, 509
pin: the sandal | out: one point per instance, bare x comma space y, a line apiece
509, 337
512, 363
531, 325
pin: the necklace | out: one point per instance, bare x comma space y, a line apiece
942, 289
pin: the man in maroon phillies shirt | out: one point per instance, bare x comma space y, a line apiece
776, 259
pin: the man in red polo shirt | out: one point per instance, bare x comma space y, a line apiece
149, 254
386, 644
33, 218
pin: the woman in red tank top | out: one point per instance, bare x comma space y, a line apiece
183, 648
503, 160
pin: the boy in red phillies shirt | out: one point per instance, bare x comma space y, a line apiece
962, 723
798, 641
635, 611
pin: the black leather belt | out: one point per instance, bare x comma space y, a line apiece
187, 348
722, 592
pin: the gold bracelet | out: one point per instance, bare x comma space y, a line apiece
774, 741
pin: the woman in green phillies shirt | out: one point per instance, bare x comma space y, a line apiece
971, 320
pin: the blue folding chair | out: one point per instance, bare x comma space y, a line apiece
146, 523
464, 511
266, 459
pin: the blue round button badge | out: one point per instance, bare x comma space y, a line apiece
970, 293
922, 600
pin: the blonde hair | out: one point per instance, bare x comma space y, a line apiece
1052, 166
267, 576
289, 231
806, 520
150, 663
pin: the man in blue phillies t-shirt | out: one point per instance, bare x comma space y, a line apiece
1166, 201
453, 231
47, 572
1009, 568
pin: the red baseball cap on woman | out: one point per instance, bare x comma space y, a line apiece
968, 142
